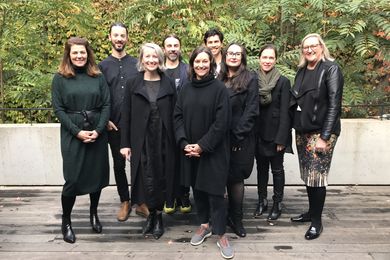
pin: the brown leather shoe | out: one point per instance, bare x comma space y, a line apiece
142, 210
124, 211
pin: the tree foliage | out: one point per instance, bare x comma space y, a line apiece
33, 32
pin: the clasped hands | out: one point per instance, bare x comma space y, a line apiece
88, 136
192, 150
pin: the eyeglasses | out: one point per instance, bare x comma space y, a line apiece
312, 47
234, 54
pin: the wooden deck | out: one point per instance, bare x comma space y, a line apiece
356, 226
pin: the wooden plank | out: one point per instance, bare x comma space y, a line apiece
356, 226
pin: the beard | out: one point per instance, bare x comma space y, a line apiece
119, 49
173, 56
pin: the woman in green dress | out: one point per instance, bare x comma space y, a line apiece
81, 101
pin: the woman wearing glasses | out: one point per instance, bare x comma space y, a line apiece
316, 104
242, 89
273, 131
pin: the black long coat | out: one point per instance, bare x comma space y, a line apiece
134, 122
245, 109
202, 116
274, 123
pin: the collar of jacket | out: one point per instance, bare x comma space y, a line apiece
297, 90
166, 87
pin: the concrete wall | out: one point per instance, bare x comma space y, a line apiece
30, 155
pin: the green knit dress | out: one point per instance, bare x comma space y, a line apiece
85, 165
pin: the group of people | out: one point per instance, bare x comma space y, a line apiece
200, 125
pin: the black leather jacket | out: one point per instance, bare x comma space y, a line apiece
320, 104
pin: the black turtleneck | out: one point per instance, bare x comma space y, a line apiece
204, 82
202, 116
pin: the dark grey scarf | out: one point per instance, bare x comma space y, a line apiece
267, 82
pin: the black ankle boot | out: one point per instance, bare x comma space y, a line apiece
262, 206
150, 222
276, 211
95, 223
67, 231
158, 229
236, 226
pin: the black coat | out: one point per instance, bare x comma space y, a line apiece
183, 76
245, 109
274, 123
135, 116
320, 103
202, 116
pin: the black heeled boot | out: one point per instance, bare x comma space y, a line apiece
236, 226
158, 229
67, 231
150, 222
95, 223
278, 179
234, 219
276, 211
262, 206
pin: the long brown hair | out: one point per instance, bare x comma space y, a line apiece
66, 68
240, 80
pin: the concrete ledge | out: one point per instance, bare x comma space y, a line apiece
30, 155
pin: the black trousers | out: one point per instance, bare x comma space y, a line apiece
214, 206
277, 169
114, 139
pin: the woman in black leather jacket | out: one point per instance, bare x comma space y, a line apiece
316, 105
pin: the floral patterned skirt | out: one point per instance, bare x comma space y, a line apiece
314, 166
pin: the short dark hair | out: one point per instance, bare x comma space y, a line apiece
212, 32
120, 25
268, 46
172, 35
196, 52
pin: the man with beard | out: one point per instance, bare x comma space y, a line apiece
117, 69
176, 70
213, 39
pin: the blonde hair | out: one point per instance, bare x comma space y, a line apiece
325, 52
159, 52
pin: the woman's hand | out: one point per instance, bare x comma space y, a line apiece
192, 150
321, 145
87, 136
126, 153
280, 147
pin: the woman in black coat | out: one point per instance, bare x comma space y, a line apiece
244, 101
273, 131
316, 104
201, 118
148, 136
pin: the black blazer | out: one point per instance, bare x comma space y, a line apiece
274, 123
